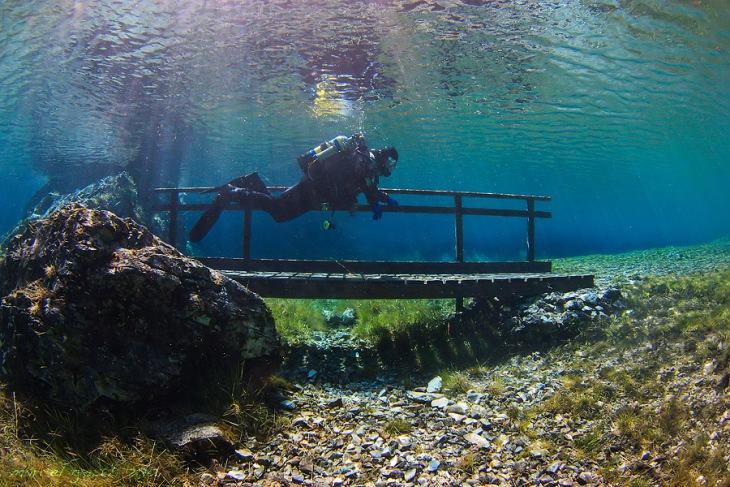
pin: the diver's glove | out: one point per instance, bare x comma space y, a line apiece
391, 202
377, 210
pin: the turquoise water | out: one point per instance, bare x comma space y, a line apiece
617, 109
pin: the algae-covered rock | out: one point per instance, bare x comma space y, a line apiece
117, 193
95, 308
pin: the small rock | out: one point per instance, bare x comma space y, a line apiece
474, 397
477, 440
554, 468
236, 475
301, 422
457, 417
586, 478
434, 385
404, 441
287, 405
458, 408
440, 403
723, 382
244, 454
335, 404
410, 475
433, 466
422, 397
312, 374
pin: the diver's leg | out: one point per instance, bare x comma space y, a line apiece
293, 202
229, 193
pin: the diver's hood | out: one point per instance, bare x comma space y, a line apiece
386, 159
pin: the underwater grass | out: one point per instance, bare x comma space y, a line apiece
296, 319
38, 449
46, 445
376, 319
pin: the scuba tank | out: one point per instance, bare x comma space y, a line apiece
330, 150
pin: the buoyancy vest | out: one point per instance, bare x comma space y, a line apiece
329, 153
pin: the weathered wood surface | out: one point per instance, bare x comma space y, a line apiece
373, 267
343, 285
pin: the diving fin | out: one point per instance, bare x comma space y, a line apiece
250, 181
207, 220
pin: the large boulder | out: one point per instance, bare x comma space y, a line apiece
116, 193
96, 309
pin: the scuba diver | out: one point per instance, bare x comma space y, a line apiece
334, 174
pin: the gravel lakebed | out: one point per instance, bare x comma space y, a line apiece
570, 414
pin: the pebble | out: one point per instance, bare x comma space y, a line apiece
435, 384
288, 405
458, 408
339, 429
440, 403
236, 475
478, 440
586, 478
404, 441
244, 454
422, 397
336, 403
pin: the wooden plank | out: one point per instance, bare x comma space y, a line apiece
387, 288
374, 267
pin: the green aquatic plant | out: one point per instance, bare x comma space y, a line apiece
468, 463
380, 318
590, 442
699, 459
634, 427
456, 382
42, 445
672, 416
578, 397
397, 426
377, 319
296, 319
496, 387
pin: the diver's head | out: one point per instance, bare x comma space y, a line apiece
385, 160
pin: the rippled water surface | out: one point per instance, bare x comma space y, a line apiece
618, 109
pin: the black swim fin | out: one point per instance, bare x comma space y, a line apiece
207, 220
250, 181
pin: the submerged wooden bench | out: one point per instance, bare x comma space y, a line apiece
356, 279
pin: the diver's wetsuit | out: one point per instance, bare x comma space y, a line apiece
335, 181
336, 184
